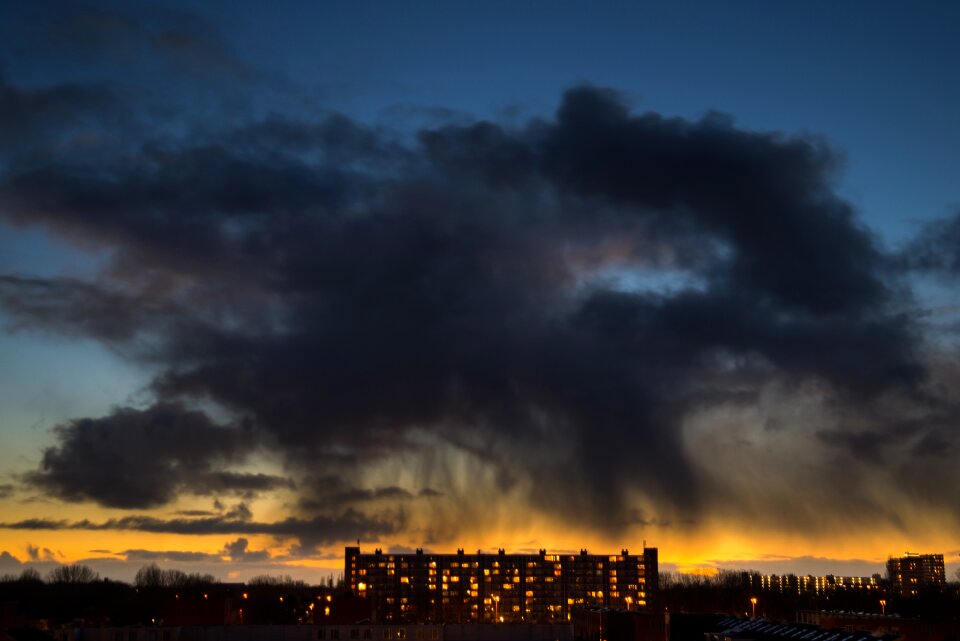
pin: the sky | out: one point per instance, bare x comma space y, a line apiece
528, 275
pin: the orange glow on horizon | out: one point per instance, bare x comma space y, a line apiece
715, 543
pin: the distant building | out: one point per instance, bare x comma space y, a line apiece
911, 573
503, 588
793, 584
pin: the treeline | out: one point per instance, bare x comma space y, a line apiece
60, 574
69, 593
149, 576
725, 592
730, 592
75, 595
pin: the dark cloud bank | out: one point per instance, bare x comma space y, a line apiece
581, 283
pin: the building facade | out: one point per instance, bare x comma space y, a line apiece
498, 588
791, 583
911, 573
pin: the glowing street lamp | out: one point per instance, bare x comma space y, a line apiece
496, 607
629, 600
753, 605
883, 606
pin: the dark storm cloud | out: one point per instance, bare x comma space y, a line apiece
330, 491
141, 458
244, 484
172, 203
48, 118
73, 307
768, 198
344, 291
881, 436
320, 530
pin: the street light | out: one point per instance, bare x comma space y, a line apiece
883, 606
629, 600
496, 608
753, 605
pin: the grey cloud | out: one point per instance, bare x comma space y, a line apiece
239, 512
239, 550
333, 492
319, 530
36, 553
169, 555
142, 458
936, 248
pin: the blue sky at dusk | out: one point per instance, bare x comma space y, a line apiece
346, 264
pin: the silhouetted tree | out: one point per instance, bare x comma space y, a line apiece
149, 576
30, 575
75, 573
178, 579
153, 577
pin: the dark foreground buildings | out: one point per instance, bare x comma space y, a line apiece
506, 588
